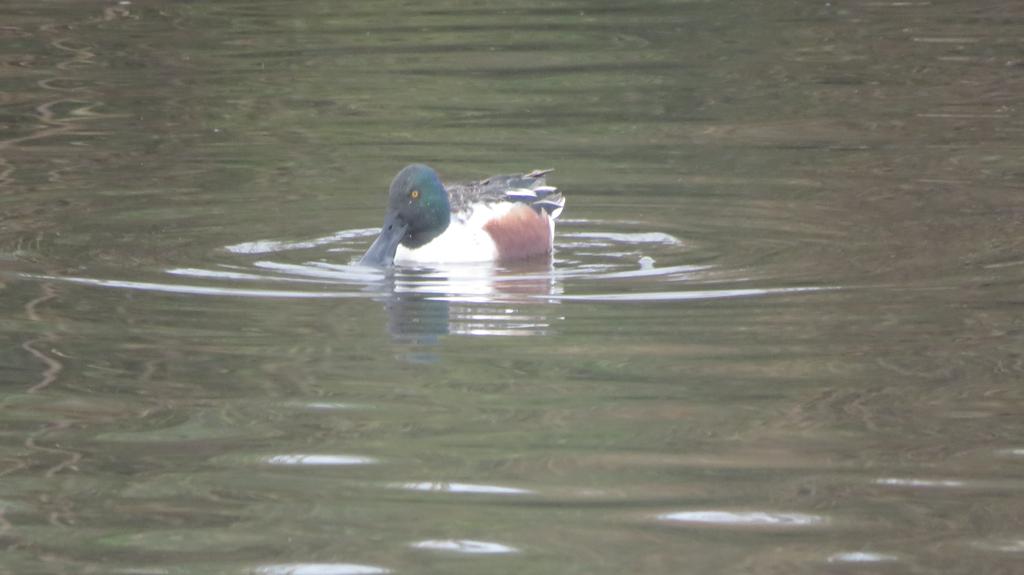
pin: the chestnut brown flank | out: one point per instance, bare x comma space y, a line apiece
520, 234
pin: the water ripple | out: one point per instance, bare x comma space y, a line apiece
1001, 545
197, 290
319, 459
464, 546
743, 518
272, 246
911, 482
443, 487
329, 406
624, 269
684, 295
610, 238
861, 557
320, 569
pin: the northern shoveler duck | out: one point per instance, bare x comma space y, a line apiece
502, 218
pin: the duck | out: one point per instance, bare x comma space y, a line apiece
498, 219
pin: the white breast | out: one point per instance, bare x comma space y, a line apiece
464, 241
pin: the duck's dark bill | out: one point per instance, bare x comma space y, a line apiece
382, 250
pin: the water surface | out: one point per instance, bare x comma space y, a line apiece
781, 332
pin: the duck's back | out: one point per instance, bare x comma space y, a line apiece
530, 189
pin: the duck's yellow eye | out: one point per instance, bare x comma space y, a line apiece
414, 194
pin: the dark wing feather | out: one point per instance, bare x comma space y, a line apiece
526, 188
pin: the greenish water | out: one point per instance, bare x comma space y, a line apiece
782, 331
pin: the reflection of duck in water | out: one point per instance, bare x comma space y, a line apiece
426, 302
502, 218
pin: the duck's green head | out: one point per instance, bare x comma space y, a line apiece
418, 211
